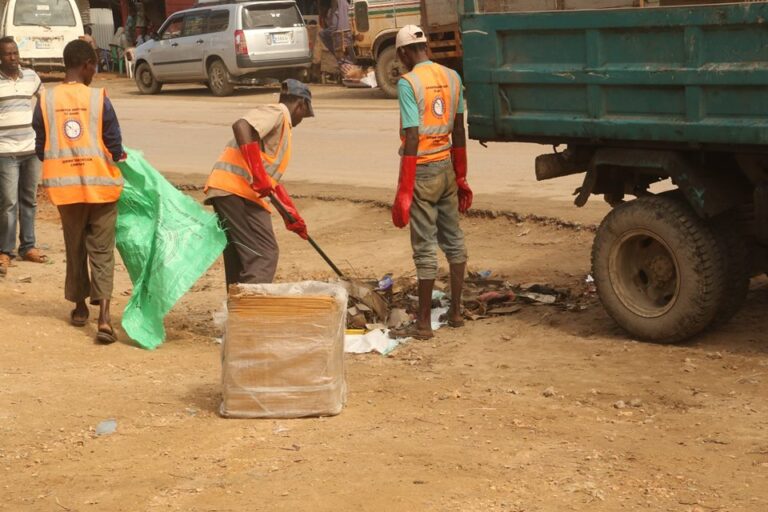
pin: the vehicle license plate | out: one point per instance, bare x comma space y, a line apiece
282, 38
42, 44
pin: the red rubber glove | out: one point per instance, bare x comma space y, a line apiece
401, 208
459, 158
297, 224
262, 183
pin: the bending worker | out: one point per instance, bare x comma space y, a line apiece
246, 174
432, 188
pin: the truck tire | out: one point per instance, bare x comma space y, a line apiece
738, 267
658, 269
388, 71
219, 79
146, 81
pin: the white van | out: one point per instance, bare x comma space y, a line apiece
41, 29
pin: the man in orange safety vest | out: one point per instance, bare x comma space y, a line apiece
246, 178
77, 136
432, 188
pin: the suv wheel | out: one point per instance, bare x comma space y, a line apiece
146, 81
219, 80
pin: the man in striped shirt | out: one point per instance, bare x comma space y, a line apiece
19, 167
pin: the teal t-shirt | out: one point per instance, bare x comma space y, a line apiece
409, 109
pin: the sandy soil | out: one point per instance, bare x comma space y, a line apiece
460, 423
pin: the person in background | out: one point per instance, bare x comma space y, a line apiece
432, 188
141, 20
77, 137
246, 174
130, 25
337, 36
100, 54
142, 37
19, 169
88, 37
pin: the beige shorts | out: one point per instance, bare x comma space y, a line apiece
435, 218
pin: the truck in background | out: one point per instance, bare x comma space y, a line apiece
638, 97
375, 24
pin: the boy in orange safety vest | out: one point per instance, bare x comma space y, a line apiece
432, 188
78, 139
245, 179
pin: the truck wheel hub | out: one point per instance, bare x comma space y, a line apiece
644, 273
662, 269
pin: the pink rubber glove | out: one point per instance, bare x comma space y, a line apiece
459, 158
401, 208
297, 224
262, 184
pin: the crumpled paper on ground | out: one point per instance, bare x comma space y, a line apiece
378, 340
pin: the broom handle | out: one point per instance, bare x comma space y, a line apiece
276, 202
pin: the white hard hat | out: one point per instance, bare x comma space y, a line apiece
410, 34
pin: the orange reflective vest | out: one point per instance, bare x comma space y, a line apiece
78, 167
436, 89
231, 172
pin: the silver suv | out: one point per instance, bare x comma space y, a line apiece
224, 45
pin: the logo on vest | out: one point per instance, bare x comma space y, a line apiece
72, 129
438, 107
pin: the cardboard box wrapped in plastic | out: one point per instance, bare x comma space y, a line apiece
283, 352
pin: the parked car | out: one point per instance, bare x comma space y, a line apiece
41, 29
226, 45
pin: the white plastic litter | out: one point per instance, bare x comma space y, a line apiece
436, 314
370, 80
106, 427
377, 340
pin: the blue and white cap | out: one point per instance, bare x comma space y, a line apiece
295, 88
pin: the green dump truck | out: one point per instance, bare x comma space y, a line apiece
633, 97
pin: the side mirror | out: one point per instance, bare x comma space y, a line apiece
361, 16
155, 36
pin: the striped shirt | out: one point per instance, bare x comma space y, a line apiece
17, 101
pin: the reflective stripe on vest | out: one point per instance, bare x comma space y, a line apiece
234, 169
77, 166
231, 174
54, 151
436, 89
96, 181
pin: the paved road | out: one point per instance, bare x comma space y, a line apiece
352, 142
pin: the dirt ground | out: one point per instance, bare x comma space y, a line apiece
460, 423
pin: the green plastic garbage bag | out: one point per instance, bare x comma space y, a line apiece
167, 241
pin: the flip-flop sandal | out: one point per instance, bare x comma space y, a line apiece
106, 337
451, 323
411, 331
77, 322
35, 256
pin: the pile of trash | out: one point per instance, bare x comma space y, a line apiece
392, 302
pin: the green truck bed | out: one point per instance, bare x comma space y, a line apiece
693, 76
